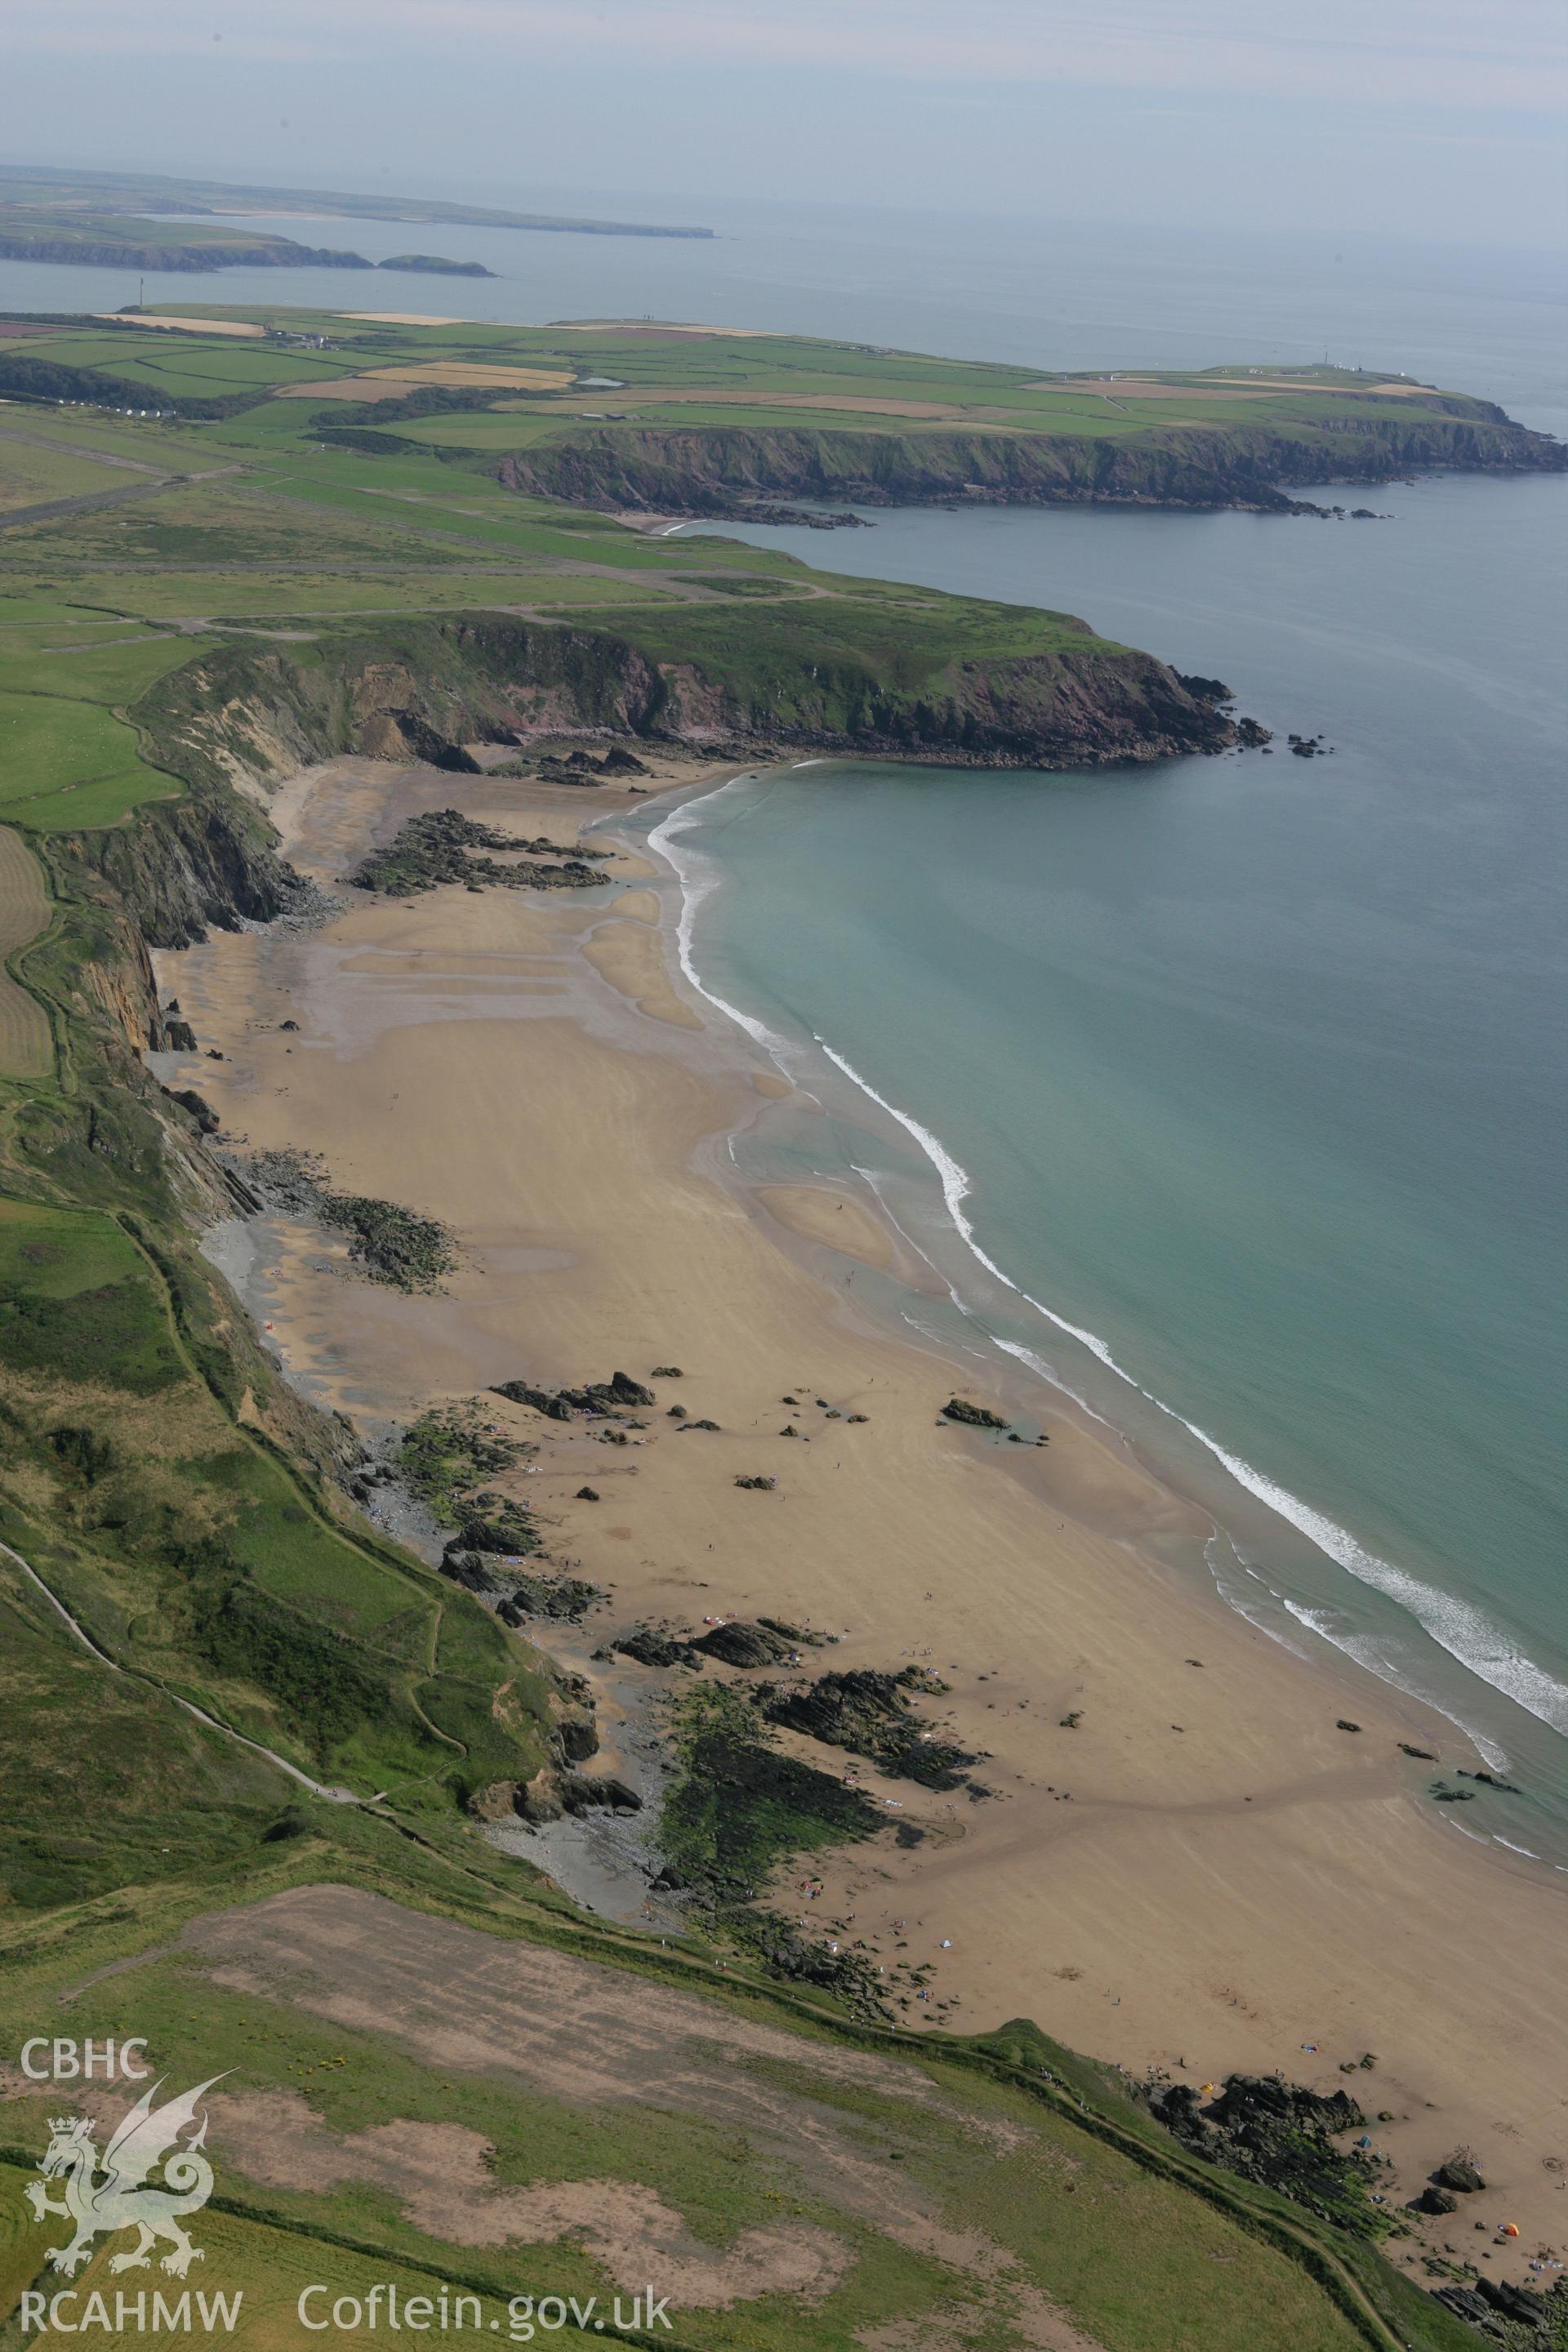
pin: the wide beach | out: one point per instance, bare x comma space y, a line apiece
1204, 1871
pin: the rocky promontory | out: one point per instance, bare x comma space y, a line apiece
727, 471
1043, 693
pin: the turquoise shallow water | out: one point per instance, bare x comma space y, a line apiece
1253, 1066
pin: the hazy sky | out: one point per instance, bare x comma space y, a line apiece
1431, 118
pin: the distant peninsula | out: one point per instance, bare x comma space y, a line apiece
99, 241
34, 191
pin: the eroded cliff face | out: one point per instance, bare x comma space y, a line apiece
720, 470
184, 865
249, 718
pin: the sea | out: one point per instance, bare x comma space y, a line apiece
1228, 1094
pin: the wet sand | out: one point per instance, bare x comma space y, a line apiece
1204, 1873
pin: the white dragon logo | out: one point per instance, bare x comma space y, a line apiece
122, 2199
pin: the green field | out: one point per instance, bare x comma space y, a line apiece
66, 758
33, 476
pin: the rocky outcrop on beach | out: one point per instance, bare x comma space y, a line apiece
1286, 2137
444, 846
869, 1714
617, 1394
582, 768
973, 1416
518, 1595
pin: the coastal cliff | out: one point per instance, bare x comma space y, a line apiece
422, 690
722, 470
187, 865
107, 250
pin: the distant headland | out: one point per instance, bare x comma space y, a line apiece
120, 220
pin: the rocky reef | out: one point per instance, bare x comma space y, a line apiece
440, 846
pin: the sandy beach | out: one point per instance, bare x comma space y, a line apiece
1204, 1872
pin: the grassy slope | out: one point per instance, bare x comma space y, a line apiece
193, 1555
257, 524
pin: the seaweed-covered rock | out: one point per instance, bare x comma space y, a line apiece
869, 1713
973, 1416
1520, 2305
1467, 2304
1460, 2172
762, 1485
1510, 2316
799, 1636
563, 1597
739, 1643
1283, 2136
510, 1534
651, 1647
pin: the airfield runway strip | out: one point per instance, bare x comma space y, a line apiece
87, 502
75, 449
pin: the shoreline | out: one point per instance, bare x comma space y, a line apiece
1425, 1605
1220, 1940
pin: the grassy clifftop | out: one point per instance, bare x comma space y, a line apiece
700, 420
987, 686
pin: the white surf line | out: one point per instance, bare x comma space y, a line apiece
333, 1796
694, 891
1454, 1624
